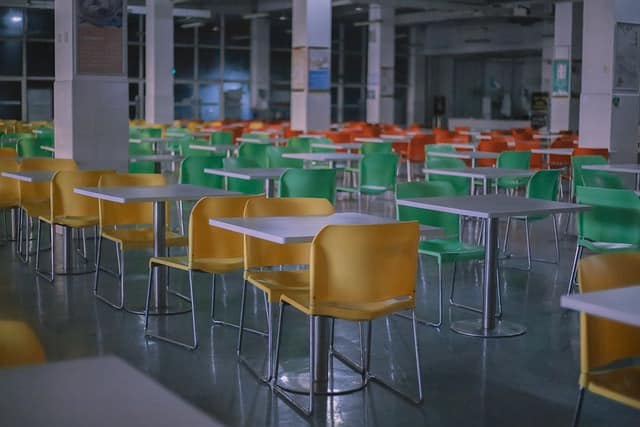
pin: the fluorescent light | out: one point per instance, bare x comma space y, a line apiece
16, 18
192, 25
255, 15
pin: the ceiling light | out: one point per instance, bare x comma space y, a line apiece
358, 9
283, 18
16, 18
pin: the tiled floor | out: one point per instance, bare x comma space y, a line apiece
525, 381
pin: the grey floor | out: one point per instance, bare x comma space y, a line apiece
529, 380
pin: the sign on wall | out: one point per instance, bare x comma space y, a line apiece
561, 77
627, 57
539, 109
100, 37
319, 69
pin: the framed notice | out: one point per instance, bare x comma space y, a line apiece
319, 69
298, 68
539, 109
100, 37
561, 77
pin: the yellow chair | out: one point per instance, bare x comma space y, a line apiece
69, 210
128, 226
357, 273
8, 153
19, 345
211, 250
604, 341
9, 190
34, 196
260, 254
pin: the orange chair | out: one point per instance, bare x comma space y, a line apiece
581, 151
528, 145
8, 153
442, 135
560, 162
415, 151
494, 145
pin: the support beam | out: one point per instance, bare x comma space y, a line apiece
159, 98
260, 67
416, 102
380, 64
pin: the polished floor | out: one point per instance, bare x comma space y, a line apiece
529, 380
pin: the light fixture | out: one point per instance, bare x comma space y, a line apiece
215, 28
358, 8
283, 18
16, 18
255, 15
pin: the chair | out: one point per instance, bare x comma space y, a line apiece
604, 342
513, 160
8, 153
19, 345
141, 149
462, 185
211, 250
449, 249
377, 175
261, 255
128, 226
68, 210
576, 169
28, 146
602, 179
611, 225
357, 273
275, 159
415, 151
255, 152
299, 144
245, 186
221, 138
542, 185
527, 145
309, 183
9, 190
375, 147
187, 151
494, 145
440, 148
192, 172
582, 151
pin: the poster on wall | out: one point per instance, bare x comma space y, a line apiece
561, 77
319, 69
539, 109
100, 37
298, 68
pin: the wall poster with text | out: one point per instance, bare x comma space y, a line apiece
100, 37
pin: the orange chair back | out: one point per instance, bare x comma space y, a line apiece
494, 145
581, 151
415, 148
527, 145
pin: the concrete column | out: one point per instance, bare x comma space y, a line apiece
416, 102
90, 90
546, 70
380, 64
562, 38
159, 62
311, 65
260, 64
609, 100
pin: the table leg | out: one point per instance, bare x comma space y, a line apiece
14, 224
268, 188
321, 351
484, 185
159, 250
66, 248
487, 327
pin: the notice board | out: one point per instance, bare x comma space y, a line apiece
100, 37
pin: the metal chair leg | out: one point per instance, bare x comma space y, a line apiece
474, 309
224, 322
120, 274
505, 243
574, 268
50, 277
269, 375
576, 414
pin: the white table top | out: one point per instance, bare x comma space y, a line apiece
370, 140
491, 206
248, 173
152, 140
97, 392
547, 135
155, 158
623, 168
221, 147
254, 141
309, 135
30, 176
294, 229
395, 137
620, 304
463, 145
128, 194
553, 151
48, 148
465, 154
481, 172
338, 145
322, 157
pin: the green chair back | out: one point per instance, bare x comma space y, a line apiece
275, 159
29, 146
544, 185
614, 216
187, 151
141, 149
192, 171
246, 186
150, 132
322, 140
440, 148
376, 147
134, 133
255, 152
513, 160
319, 183
299, 144
222, 137
261, 136
461, 184
602, 179
576, 167
378, 172
449, 223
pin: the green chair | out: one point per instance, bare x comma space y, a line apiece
192, 172
134, 133
29, 146
378, 173
513, 160
602, 179
322, 140
179, 137
275, 159
299, 144
318, 183
376, 147
254, 152
576, 169
151, 133
611, 225
221, 138
141, 149
450, 248
461, 184
439, 148
187, 151
261, 136
542, 185
246, 186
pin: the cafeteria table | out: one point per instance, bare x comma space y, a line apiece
620, 304
466, 155
548, 152
302, 229
323, 157
349, 146
97, 392
30, 176
229, 148
631, 168
159, 195
490, 207
483, 173
267, 174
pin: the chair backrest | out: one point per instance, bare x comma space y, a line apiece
375, 147
494, 145
39, 191
528, 145
363, 264
222, 137
275, 159
544, 185
9, 188
440, 148
576, 166
449, 223
378, 169
141, 149
299, 144
192, 171
514, 159
135, 213
582, 151
255, 152
66, 203
28, 146
151, 132
8, 153
461, 184
261, 253
614, 216
603, 179
206, 241
603, 341
246, 186
309, 183
186, 150
19, 345
417, 146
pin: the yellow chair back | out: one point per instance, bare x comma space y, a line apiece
137, 213
66, 203
9, 189
39, 191
364, 264
603, 341
19, 345
8, 153
261, 253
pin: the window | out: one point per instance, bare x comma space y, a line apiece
11, 54
40, 24
40, 57
208, 64
11, 22
236, 64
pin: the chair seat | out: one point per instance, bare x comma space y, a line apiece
450, 250
275, 282
373, 189
622, 385
141, 238
607, 246
72, 221
207, 265
348, 311
9, 203
512, 182
35, 209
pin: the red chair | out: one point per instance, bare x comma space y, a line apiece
415, 151
536, 159
494, 145
442, 135
582, 151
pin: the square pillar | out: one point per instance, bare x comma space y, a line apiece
562, 61
159, 62
416, 101
380, 64
260, 67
